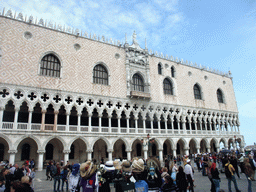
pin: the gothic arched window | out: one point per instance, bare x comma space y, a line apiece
220, 96
173, 72
25, 152
197, 92
100, 75
159, 69
168, 88
137, 83
50, 66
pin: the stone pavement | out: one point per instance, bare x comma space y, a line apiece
202, 183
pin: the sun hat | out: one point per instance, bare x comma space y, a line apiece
87, 169
117, 164
188, 161
138, 166
109, 166
126, 166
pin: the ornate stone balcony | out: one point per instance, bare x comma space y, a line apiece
139, 94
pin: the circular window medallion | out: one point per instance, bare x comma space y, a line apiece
117, 55
189, 73
166, 65
77, 46
28, 35
205, 77
224, 82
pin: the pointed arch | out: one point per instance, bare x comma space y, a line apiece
101, 138
37, 141
76, 138
63, 142
8, 141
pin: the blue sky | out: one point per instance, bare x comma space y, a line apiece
217, 34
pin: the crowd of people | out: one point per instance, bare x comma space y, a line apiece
176, 174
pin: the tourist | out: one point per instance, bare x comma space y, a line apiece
215, 176
48, 171
164, 173
18, 173
33, 175
253, 165
74, 178
56, 176
26, 181
138, 170
89, 180
248, 173
174, 170
208, 172
190, 176
181, 180
234, 162
64, 178
109, 176
229, 172
168, 185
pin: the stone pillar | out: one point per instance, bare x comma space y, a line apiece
174, 152
165, 124
159, 126
136, 124
218, 149
55, 120
178, 123
89, 154
160, 155
208, 149
43, 120
40, 165
127, 122
109, 124
66, 156
172, 127
79, 122
129, 155
100, 122
152, 126
29, 119
198, 150
144, 125
145, 153
67, 121
110, 155
186, 150
190, 127
1, 116
119, 124
90, 123
16, 118
184, 126
12, 156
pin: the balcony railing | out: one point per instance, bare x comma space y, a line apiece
6, 126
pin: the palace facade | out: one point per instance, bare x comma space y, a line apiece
68, 95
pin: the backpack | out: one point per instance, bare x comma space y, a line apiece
227, 172
53, 170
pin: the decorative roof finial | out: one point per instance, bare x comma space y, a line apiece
134, 38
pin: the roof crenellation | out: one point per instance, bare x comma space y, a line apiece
43, 23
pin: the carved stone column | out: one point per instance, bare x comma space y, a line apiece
109, 124
119, 124
66, 156
12, 156
40, 160
29, 119
1, 116
174, 152
144, 125
136, 124
43, 120
55, 120
89, 123
161, 155
67, 121
128, 125
16, 118
89, 154
79, 121
110, 155
128, 155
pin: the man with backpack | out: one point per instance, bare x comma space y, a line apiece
55, 173
229, 172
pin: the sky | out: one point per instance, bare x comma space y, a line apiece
216, 34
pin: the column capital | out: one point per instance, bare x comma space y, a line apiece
128, 151
110, 150
56, 111
40, 151
13, 151
66, 151
44, 111
89, 150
